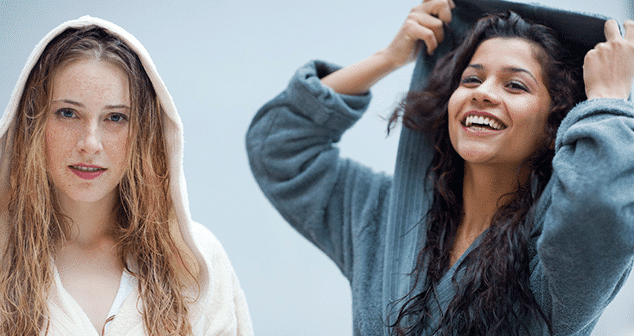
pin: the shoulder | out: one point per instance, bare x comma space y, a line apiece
221, 302
206, 241
215, 257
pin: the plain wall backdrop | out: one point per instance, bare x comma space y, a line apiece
221, 60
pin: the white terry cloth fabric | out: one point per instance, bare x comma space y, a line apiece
220, 308
126, 287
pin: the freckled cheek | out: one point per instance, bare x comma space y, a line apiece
118, 149
55, 146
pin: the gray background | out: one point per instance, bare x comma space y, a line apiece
221, 60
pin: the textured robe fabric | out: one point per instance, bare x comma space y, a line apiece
582, 241
220, 308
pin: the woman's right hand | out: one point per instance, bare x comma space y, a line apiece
424, 23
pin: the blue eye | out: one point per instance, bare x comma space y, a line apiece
66, 113
117, 117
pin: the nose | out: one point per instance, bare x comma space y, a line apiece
485, 93
90, 139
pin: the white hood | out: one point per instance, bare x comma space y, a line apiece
222, 308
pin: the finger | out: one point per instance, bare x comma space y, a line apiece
433, 24
440, 9
416, 31
611, 30
629, 30
429, 38
444, 13
451, 3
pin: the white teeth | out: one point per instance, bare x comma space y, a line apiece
482, 121
86, 169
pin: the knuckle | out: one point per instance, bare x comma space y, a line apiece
420, 8
409, 24
591, 54
599, 47
436, 24
427, 34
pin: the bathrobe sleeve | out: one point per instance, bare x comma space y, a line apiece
291, 144
586, 247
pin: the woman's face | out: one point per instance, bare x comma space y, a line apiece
87, 131
498, 113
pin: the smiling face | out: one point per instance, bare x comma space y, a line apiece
87, 131
498, 113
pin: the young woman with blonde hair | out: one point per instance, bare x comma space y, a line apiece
97, 237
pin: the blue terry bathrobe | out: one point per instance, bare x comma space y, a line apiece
582, 241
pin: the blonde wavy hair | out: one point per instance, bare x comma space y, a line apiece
148, 245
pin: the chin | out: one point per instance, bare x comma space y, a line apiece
474, 155
88, 196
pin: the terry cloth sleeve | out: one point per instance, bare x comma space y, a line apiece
587, 243
292, 150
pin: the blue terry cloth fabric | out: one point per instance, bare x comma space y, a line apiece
369, 223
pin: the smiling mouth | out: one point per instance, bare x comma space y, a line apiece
87, 169
483, 122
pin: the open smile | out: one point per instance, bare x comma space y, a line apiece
481, 121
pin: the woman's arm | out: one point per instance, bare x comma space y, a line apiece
333, 202
424, 22
292, 150
587, 244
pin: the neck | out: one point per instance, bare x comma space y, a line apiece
485, 189
93, 222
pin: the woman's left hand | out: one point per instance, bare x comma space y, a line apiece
608, 69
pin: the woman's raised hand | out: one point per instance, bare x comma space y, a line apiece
424, 22
608, 69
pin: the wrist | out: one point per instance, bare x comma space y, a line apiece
390, 61
609, 94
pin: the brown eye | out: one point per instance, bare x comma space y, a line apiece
518, 86
471, 80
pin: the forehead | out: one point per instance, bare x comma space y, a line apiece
86, 78
500, 53
91, 82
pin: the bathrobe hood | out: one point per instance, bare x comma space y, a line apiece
220, 308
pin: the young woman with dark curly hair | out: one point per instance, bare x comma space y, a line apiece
509, 212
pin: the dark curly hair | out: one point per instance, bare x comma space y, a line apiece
493, 295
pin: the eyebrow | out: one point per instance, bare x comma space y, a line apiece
78, 104
507, 69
